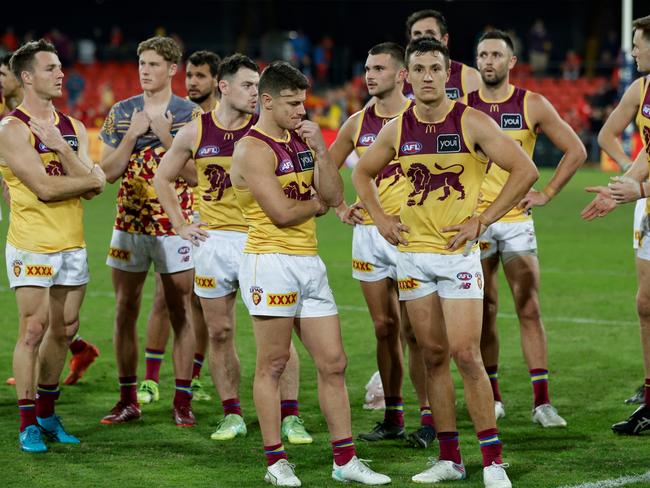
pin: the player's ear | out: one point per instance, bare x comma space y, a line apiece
173, 67
223, 86
267, 101
513, 61
401, 75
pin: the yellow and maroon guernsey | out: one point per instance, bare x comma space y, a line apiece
35, 225
443, 178
294, 168
390, 181
455, 87
511, 115
212, 154
643, 122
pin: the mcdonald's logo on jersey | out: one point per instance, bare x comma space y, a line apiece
494, 107
228, 136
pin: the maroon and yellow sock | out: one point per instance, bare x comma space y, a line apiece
77, 345
491, 446
183, 392
197, 365
274, 453
646, 392
153, 360
426, 417
128, 389
46, 395
492, 372
288, 407
394, 412
231, 405
343, 450
27, 409
539, 379
449, 447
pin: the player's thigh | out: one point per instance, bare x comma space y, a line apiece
490, 267
643, 277
65, 303
522, 275
33, 306
382, 300
128, 286
427, 322
321, 336
273, 340
219, 313
463, 318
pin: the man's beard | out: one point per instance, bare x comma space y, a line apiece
200, 99
496, 81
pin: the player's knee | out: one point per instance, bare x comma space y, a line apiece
468, 360
333, 365
386, 328
273, 366
435, 356
71, 327
33, 332
126, 307
529, 313
222, 334
643, 308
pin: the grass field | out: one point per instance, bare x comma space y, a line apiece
588, 287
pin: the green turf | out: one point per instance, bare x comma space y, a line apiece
588, 287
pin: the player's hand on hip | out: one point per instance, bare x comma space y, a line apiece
49, 134
532, 199
193, 232
310, 132
624, 189
161, 125
466, 233
601, 205
140, 123
392, 229
350, 215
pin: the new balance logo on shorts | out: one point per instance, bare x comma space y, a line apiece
119, 254
361, 266
281, 299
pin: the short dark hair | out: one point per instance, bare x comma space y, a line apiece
230, 65
199, 58
165, 47
499, 35
23, 58
280, 75
425, 14
643, 24
427, 45
393, 49
6, 58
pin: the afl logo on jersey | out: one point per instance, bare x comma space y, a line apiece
367, 139
511, 121
452, 93
42, 147
412, 147
207, 151
285, 166
448, 143
645, 110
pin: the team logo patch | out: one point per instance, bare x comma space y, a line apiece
484, 245
39, 270
256, 294
184, 250
645, 110
119, 254
285, 166
479, 280
511, 121
448, 143
281, 299
411, 147
464, 276
17, 267
72, 141
207, 151
408, 284
452, 93
367, 139
306, 160
205, 281
362, 266
424, 182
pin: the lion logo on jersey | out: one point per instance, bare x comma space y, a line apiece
54, 168
219, 180
292, 190
391, 171
646, 138
424, 182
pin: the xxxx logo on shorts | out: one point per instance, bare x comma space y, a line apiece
256, 294
38, 270
282, 299
17, 267
408, 284
205, 282
119, 254
361, 266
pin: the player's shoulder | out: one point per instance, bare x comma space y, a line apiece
11, 125
128, 104
181, 107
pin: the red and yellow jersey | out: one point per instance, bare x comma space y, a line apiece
390, 181
212, 154
37, 226
138, 208
294, 168
643, 122
511, 114
455, 87
443, 178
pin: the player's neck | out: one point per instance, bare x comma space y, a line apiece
13, 101
158, 97
491, 93
39, 108
229, 118
209, 104
432, 112
268, 126
391, 105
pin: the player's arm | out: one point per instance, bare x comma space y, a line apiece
340, 149
188, 173
620, 118
84, 156
543, 115
253, 166
472, 81
24, 162
483, 134
161, 125
114, 160
378, 155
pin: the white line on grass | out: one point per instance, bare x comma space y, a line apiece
622, 481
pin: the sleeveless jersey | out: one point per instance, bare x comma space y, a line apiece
294, 168
390, 181
643, 122
212, 154
455, 87
34, 225
443, 178
512, 116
